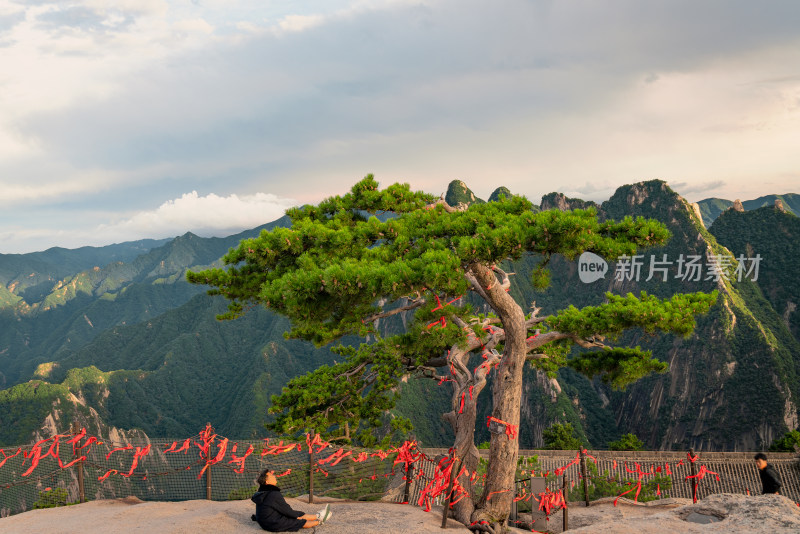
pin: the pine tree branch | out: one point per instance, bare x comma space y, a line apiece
505, 281
416, 303
533, 356
447, 207
476, 287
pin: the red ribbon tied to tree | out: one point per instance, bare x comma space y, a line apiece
511, 430
406, 455
440, 482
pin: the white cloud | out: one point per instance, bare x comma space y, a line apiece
204, 215
207, 216
103, 100
298, 23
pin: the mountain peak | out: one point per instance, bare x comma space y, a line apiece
502, 190
638, 193
459, 193
562, 202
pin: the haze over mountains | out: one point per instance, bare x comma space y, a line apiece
116, 336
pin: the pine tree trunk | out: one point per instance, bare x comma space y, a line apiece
495, 504
464, 447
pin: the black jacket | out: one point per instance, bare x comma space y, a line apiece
273, 512
770, 479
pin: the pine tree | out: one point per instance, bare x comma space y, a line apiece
339, 270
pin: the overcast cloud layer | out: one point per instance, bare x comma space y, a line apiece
149, 118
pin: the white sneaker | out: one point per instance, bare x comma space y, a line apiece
324, 514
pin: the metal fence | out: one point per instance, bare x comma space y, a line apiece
212, 467
736, 470
170, 471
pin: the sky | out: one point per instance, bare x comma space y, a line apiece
130, 119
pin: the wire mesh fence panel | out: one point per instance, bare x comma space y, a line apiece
49, 486
664, 474
205, 466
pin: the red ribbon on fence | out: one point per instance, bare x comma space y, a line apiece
35, 454
700, 476
115, 449
380, 454
140, 453
638, 487
184, 448
7, 457
280, 448
239, 460
108, 474
77, 437
317, 441
551, 500
335, 458
577, 460
89, 442
524, 496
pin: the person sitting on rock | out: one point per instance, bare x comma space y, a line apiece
274, 514
770, 480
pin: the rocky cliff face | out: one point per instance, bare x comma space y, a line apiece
772, 234
731, 385
560, 201
734, 383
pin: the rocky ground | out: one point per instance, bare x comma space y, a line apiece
765, 514
724, 512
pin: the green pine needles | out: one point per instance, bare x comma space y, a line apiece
413, 278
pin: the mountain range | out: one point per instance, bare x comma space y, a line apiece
114, 337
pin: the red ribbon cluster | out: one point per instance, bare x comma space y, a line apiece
550, 501
440, 483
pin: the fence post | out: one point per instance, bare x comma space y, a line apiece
78, 465
693, 469
585, 478
208, 482
564, 515
208, 466
409, 476
311, 472
512, 516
